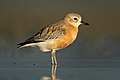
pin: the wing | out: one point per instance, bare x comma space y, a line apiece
51, 32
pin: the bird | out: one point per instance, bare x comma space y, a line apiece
56, 36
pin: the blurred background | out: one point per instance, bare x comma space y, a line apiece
20, 19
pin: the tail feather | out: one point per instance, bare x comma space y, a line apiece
20, 45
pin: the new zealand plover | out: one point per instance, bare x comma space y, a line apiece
56, 36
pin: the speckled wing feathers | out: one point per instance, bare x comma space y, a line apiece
53, 31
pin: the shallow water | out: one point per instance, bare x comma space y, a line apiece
89, 69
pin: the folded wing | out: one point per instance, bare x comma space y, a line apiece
51, 32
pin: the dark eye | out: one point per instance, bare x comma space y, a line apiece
75, 19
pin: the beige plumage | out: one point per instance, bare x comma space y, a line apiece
56, 36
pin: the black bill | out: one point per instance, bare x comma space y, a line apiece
85, 23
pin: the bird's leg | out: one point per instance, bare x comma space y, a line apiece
53, 57
53, 73
55, 60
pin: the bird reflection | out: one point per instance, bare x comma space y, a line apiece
53, 74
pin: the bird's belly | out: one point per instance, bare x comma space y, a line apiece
59, 44
62, 43
68, 38
55, 44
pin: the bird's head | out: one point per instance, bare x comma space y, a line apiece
74, 19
